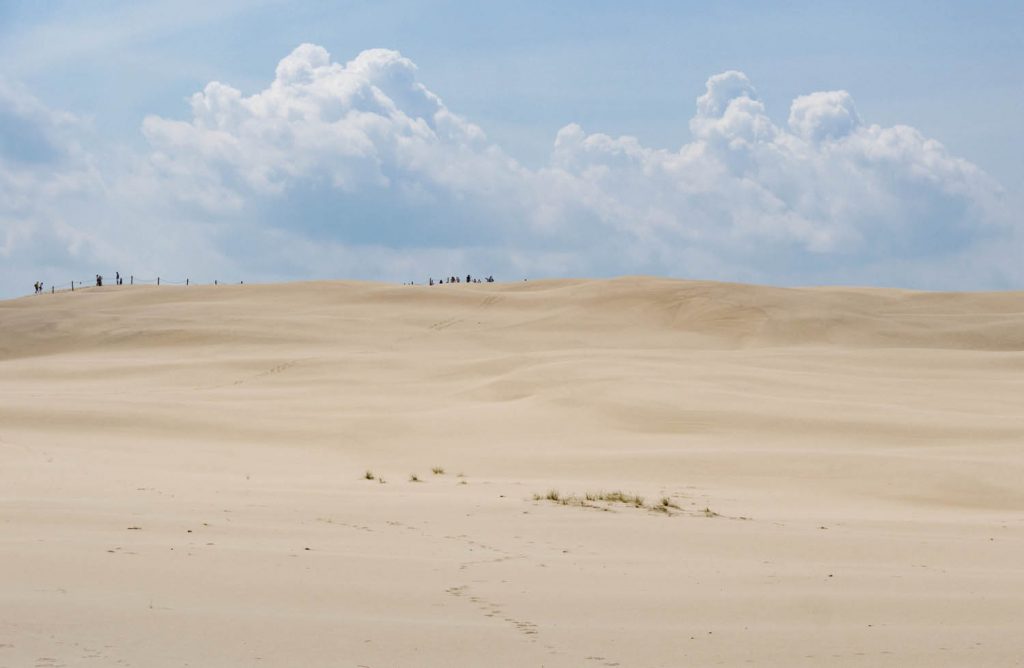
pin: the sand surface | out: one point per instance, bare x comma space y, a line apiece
182, 476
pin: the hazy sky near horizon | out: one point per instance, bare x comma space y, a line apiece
789, 143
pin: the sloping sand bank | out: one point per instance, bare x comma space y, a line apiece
829, 476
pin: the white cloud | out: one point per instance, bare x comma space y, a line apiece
823, 116
358, 169
828, 190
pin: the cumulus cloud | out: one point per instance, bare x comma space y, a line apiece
359, 169
366, 124
821, 116
826, 195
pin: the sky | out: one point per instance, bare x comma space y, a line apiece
784, 143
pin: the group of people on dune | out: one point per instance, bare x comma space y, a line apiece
456, 279
118, 280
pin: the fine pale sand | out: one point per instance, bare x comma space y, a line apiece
183, 476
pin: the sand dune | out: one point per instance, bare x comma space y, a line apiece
183, 476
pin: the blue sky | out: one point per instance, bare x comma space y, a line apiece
98, 177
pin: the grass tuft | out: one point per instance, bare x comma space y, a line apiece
616, 497
589, 499
369, 475
413, 477
437, 470
605, 500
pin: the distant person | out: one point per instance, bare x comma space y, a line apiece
35, 287
468, 278
431, 280
99, 281
117, 278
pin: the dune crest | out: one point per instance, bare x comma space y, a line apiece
697, 313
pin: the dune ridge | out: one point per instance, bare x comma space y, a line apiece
192, 475
702, 313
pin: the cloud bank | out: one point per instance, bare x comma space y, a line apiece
360, 170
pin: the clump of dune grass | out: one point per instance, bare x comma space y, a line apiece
616, 497
369, 475
437, 470
665, 506
602, 500
414, 478
556, 497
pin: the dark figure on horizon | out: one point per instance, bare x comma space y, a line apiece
99, 281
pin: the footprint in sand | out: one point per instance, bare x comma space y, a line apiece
493, 610
445, 324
